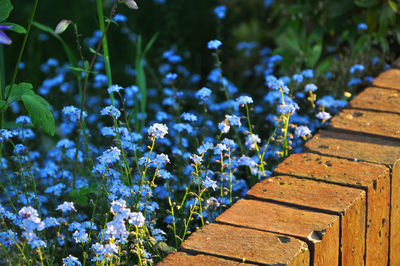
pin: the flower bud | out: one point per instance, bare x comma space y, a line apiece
131, 4
62, 26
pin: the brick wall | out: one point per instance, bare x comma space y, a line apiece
337, 203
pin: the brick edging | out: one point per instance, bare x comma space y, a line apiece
337, 203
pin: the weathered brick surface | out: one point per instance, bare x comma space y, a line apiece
247, 245
350, 203
382, 124
377, 99
388, 79
374, 179
355, 147
395, 216
182, 258
319, 230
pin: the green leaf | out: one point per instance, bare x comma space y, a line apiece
366, 3
79, 198
2, 104
18, 90
324, 65
5, 9
79, 69
149, 44
313, 55
38, 109
141, 78
393, 5
15, 27
93, 51
165, 248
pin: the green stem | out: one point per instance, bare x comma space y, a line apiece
21, 51
87, 74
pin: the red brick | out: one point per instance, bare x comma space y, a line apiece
248, 245
388, 79
395, 216
382, 124
355, 147
319, 230
182, 258
374, 179
377, 99
347, 202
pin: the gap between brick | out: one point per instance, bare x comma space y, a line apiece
344, 185
197, 252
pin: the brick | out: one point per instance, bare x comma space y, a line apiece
319, 230
355, 147
248, 245
374, 179
388, 79
395, 216
347, 202
382, 124
377, 99
182, 258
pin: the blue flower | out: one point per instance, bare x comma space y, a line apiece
119, 18
229, 143
233, 120
287, 108
161, 160
267, 3
220, 11
23, 119
324, 116
8, 238
310, 87
302, 131
356, 68
205, 147
65, 144
247, 161
111, 111
224, 126
137, 218
66, 207
5, 135
189, 117
158, 234
208, 183
354, 81
4, 39
171, 77
242, 100
251, 141
114, 88
80, 236
298, 78
362, 26
214, 44
196, 159
71, 261
158, 130
110, 156
164, 174
72, 113
308, 73
204, 93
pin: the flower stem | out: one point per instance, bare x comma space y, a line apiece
21, 51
